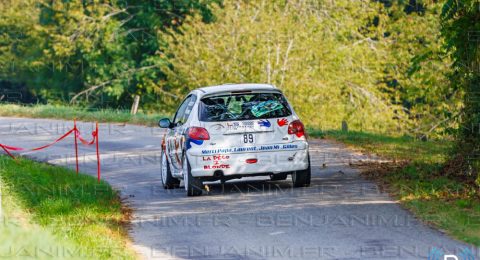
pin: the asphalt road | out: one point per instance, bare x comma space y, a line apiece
341, 216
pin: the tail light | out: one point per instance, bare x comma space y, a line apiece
198, 133
250, 161
296, 127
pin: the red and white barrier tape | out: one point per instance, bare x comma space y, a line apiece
8, 149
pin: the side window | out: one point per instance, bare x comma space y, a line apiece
189, 108
181, 112
184, 110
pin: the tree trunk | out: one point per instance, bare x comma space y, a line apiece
136, 101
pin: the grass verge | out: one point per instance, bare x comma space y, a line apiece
52, 212
83, 114
21, 238
451, 204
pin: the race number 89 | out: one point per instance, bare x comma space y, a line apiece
248, 138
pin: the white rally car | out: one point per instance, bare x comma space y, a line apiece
233, 131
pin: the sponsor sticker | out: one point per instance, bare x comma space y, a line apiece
264, 123
216, 162
259, 148
248, 126
282, 122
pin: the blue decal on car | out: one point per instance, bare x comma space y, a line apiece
264, 123
197, 142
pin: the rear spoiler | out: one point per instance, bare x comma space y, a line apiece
239, 92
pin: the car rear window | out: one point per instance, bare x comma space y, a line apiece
247, 106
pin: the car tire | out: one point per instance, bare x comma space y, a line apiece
279, 176
193, 186
302, 178
168, 181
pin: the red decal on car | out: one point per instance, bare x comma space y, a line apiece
282, 122
218, 166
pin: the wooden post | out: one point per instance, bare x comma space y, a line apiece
136, 101
344, 126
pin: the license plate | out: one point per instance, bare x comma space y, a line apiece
248, 138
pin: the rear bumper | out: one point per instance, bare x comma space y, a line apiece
231, 161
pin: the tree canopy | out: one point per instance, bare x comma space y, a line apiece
461, 28
378, 65
97, 52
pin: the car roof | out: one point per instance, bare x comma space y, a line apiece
235, 87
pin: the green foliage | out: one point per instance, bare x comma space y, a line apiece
376, 67
313, 51
66, 50
417, 68
461, 28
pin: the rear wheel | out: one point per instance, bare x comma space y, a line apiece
168, 181
302, 178
193, 186
278, 177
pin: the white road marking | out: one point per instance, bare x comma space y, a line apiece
276, 233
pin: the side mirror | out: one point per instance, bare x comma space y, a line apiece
165, 123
